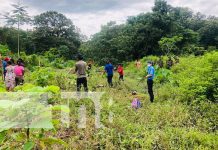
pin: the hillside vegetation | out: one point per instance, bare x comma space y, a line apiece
183, 116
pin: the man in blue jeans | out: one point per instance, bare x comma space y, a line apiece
150, 77
109, 69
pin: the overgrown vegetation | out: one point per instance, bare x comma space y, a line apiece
182, 117
184, 114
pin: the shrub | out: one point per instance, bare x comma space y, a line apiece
197, 77
4, 50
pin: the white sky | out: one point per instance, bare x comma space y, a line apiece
89, 15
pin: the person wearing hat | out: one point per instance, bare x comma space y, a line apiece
150, 78
80, 70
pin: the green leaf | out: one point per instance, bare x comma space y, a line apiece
29, 146
2, 137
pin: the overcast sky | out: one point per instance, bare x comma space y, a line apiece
89, 15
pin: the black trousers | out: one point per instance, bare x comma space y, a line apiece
109, 80
19, 81
150, 90
121, 78
80, 82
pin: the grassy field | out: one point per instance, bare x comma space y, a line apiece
180, 118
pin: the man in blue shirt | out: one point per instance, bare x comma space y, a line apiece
150, 77
109, 69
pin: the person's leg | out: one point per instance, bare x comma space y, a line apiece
78, 84
85, 84
4, 75
122, 78
16, 81
150, 90
111, 80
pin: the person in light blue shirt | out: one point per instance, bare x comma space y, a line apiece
109, 69
150, 78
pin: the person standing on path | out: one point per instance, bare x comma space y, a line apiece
150, 78
80, 70
109, 69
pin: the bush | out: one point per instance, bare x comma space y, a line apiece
4, 50
197, 77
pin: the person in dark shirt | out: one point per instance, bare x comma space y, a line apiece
4, 65
109, 69
160, 62
169, 63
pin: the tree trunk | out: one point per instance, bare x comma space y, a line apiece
18, 37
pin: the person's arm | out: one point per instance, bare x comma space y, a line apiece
150, 73
105, 70
23, 71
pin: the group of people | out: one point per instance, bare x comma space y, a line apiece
169, 62
81, 67
13, 74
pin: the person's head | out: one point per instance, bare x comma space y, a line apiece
12, 61
134, 93
20, 59
9, 63
108, 61
7, 59
80, 57
19, 63
149, 63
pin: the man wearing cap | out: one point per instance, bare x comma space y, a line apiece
150, 77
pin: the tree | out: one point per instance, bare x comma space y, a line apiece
18, 16
53, 29
169, 44
209, 33
161, 6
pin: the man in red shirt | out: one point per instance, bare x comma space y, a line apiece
120, 71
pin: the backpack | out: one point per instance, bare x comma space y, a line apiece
136, 103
